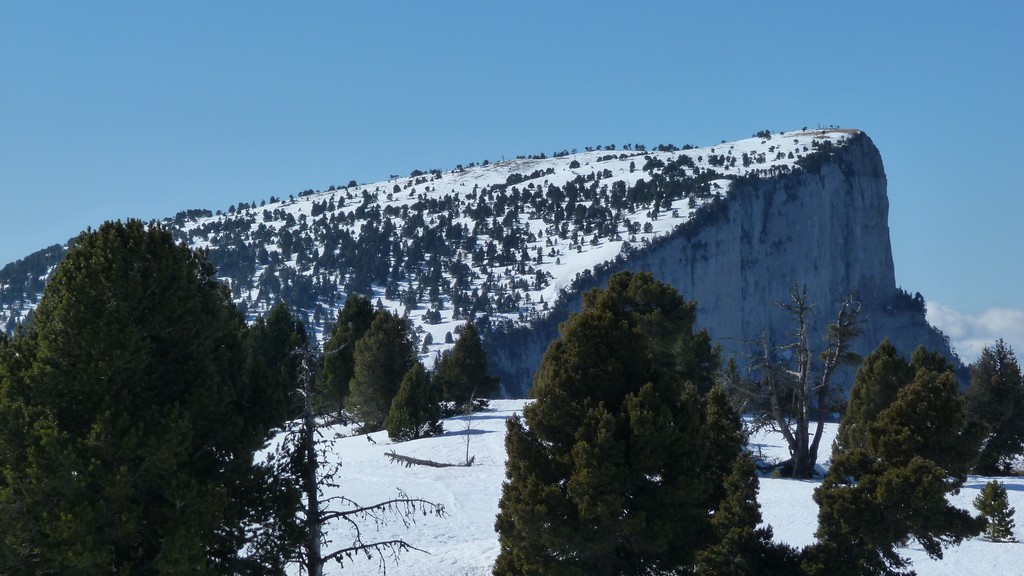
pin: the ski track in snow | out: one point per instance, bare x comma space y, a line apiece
465, 544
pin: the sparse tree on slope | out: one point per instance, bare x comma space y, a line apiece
609, 470
382, 358
996, 399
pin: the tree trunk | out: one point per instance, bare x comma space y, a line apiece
314, 559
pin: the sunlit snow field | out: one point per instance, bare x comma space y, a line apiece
465, 543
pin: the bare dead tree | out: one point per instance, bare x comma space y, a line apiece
797, 385
305, 449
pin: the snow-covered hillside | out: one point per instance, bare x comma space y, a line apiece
513, 245
501, 239
464, 543
508, 237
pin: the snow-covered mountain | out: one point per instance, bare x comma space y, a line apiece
513, 244
465, 543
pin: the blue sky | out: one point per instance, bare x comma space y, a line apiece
128, 109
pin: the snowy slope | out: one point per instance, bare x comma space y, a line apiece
294, 249
562, 256
465, 542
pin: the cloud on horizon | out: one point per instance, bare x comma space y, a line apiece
969, 333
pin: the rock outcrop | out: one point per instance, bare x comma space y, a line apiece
825, 227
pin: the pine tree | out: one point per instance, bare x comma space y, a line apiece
462, 371
608, 471
382, 357
918, 450
416, 410
994, 506
742, 547
128, 426
354, 320
272, 365
996, 399
881, 375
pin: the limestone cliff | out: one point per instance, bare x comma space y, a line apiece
825, 227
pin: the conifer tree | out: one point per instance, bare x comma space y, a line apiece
382, 358
995, 508
918, 450
416, 410
996, 399
462, 370
129, 427
354, 320
881, 375
742, 547
608, 471
272, 366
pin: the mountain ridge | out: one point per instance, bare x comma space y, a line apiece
508, 243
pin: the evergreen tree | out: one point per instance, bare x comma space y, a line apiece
742, 547
272, 365
354, 320
725, 438
925, 359
881, 375
996, 399
416, 410
918, 450
462, 370
128, 426
382, 358
995, 508
608, 471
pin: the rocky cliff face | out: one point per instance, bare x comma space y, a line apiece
826, 228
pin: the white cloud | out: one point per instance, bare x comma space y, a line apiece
969, 333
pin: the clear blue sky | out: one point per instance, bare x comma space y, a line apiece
137, 109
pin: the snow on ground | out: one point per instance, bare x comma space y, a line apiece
563, 257
465, 544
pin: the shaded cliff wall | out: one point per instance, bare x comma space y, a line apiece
826, 228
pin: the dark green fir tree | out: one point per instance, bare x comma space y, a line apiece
354, 320
881, 375
996, 399
742, 547
917, 451
272, 360
128, 425
416, 410
608, 471
462, 370
382, 358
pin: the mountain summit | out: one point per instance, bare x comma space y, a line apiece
513, 244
